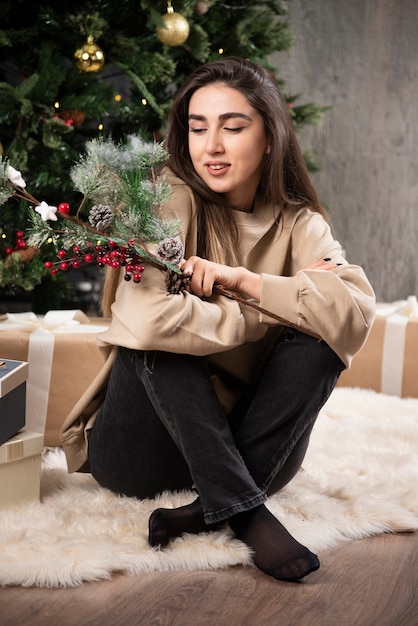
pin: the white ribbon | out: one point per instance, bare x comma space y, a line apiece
65, 321
42, 331
40, 354
398, 315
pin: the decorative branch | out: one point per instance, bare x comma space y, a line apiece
124, 220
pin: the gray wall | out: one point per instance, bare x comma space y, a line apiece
361, 57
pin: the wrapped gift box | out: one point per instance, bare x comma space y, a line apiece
388, 361
13, 376
20, 468
63, 359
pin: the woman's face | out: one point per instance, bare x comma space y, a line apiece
227, 143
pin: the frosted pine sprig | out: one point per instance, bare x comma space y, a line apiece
138, 154
121, 178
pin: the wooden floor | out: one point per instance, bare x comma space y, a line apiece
372, 582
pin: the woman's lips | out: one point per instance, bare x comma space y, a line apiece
215, 169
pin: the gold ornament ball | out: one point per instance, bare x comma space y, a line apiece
89, 58
175, 31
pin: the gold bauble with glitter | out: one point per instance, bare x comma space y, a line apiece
176, 28
89, 58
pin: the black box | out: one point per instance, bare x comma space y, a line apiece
13, 377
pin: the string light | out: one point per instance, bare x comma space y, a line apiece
118, 97
57, 105
100, 126
220, 51
144, 102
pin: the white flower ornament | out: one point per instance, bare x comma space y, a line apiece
15, 177
47, 212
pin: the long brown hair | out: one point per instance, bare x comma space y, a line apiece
285, 178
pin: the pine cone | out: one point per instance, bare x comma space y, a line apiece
177, 283
101, 216
25, 255
171, 250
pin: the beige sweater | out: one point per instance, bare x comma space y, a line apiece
338, 305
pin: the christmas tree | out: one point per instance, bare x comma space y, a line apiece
72, 72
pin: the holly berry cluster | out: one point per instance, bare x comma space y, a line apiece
19, 245
109, 254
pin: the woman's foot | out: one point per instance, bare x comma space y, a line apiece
167, 524
275, 551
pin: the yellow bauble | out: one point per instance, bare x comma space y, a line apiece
176, 28
89, 58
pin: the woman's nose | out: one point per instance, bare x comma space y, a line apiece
213, 143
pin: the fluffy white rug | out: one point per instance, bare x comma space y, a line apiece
359, 478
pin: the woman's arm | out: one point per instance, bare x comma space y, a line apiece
337, 304
205, 274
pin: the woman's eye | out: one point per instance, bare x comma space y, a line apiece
234, 130
197, 131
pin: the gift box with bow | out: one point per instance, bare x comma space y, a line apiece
63, 359
388, 361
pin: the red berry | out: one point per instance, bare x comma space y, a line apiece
88, 257
48, 264
64, 207
64, 266
61, 254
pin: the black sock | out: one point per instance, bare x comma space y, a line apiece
275, 551
166, 524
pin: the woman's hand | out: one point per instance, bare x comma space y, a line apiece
206, 273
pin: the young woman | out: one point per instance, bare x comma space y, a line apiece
201, 391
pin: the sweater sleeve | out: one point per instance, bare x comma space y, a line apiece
146, 317
338, 305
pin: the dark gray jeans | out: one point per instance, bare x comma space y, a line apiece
161, 426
